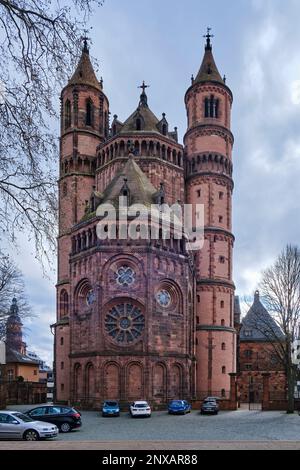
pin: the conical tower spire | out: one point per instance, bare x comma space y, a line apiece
208, 71
84, 73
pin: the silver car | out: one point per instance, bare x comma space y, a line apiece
15, 425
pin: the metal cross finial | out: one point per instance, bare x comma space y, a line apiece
208, 37
143, 86
85, 39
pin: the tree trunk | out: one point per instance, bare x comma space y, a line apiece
291, 386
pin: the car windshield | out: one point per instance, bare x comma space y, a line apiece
23, 418
177, 402
210, 403
110, 403
141, 405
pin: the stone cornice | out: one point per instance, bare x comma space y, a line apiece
209, 127
196, 87
129, 354
216, 282
215, 328
80, 130
210, 174
140, 160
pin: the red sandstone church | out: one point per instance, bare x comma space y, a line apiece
144, 319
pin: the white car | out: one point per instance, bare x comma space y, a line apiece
15, 425
140, 408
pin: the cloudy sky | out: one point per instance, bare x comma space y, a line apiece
256, 45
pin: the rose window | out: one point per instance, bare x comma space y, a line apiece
163, 298
125, 276
124, 323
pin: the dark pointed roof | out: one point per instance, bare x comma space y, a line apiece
258, 325
14, 313
84, 73
208, 70
141, 190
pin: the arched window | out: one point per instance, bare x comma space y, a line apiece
211, 107
89, 115
223, 346
67, 114
64, 303
164, 129
138, 124
207, 108
222, 322
223, 370
223, 393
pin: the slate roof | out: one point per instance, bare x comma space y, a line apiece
13, 356
258, 325
150, 121
84, 73
141, 190
208, 70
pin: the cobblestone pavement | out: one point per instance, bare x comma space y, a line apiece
263, 427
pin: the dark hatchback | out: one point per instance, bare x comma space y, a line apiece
210, 407
66, 418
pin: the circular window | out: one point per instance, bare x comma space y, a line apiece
124, 323
125, 276
90, 297
163, 298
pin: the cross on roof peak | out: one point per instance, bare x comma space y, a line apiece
208, 37
143, 86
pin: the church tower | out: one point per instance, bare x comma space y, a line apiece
208, 149
84, 125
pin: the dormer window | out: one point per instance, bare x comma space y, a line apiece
89, 115
164, 129
211, 107
138, 124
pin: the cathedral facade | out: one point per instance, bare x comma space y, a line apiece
144, 318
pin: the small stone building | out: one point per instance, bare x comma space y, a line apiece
257, 356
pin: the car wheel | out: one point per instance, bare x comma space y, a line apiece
31, 435
65, 427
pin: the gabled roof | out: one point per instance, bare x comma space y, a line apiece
84, 73
141, 190
258, 325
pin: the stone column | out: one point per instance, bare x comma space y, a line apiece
233, 391
266, 391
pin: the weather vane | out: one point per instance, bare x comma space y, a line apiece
208, 36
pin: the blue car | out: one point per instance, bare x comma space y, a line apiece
179, 407
110, 408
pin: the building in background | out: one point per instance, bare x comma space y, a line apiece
144, 318
22, 371
257, 355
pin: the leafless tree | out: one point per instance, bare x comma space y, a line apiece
11, 285
39, 46
280, 289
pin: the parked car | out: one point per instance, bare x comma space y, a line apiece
210, 407
217, 399
15, 425
110, 408
140, 408
179, 407
66, 418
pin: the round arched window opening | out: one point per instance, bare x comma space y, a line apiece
124, 323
